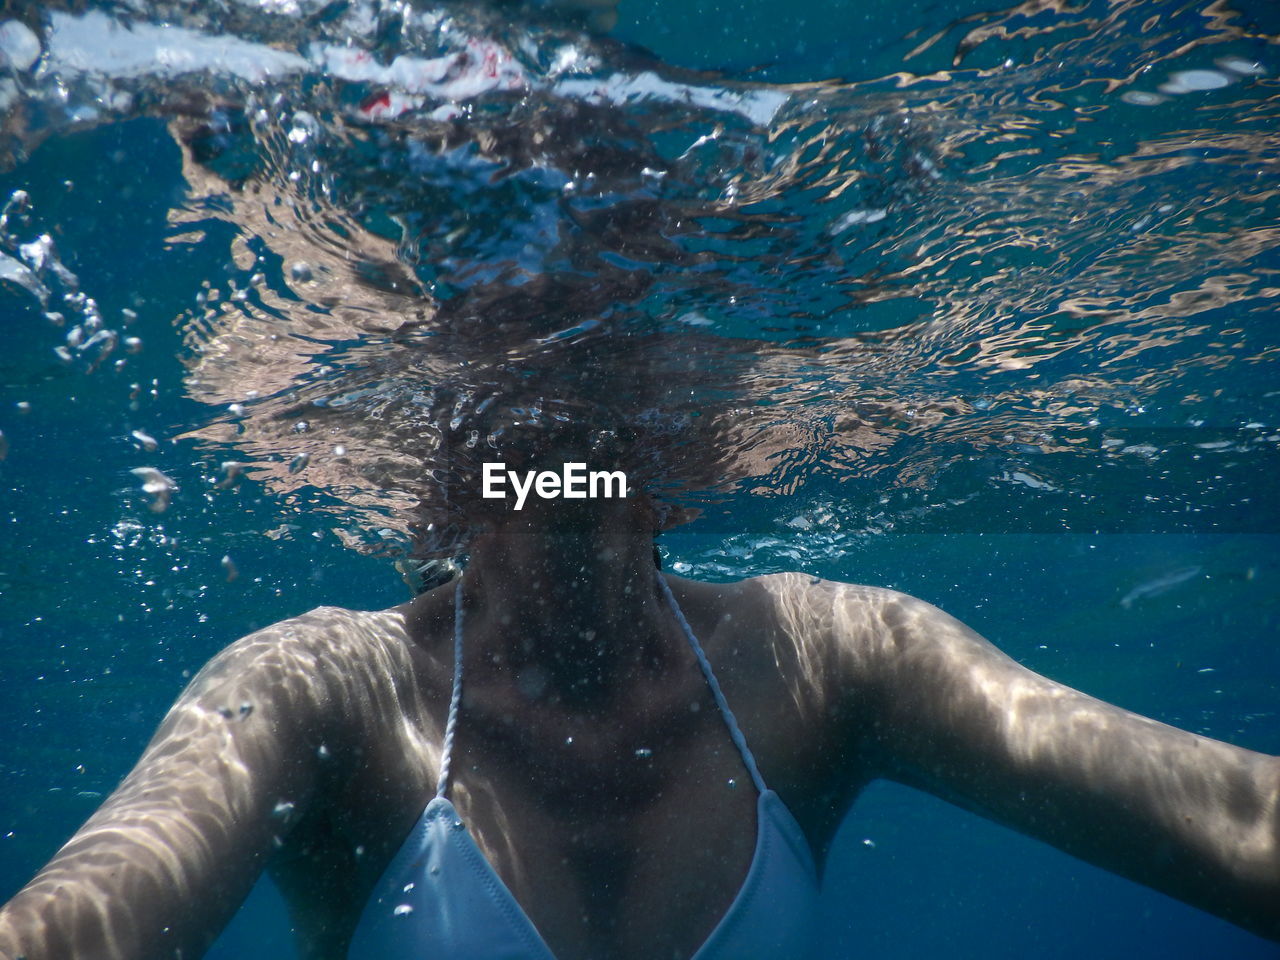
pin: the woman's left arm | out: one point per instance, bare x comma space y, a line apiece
945, 711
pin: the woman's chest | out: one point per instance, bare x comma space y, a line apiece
629, 833
594, 872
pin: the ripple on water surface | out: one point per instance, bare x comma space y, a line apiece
1024, 291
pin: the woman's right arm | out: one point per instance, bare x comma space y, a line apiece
163, 864
1194, 818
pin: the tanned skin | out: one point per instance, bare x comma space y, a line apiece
310, 748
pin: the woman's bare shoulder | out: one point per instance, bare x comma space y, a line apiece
328, 624
842, 613
232, 767
823, 620
815, 588
844, 639
322, 631
307, 662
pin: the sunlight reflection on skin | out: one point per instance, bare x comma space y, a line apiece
952, 714
1018, 726
219, 784
892, 685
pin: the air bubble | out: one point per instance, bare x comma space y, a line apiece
402, 910
18, 201
1242, 67
1189, 81
1141, 98
231, 471
146, 441
304, 126
158, 485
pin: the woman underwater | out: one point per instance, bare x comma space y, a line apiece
594, 771
562, 752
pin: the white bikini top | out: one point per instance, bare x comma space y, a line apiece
439, 897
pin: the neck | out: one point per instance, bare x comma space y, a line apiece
565, 599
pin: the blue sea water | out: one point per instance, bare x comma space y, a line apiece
1065, 405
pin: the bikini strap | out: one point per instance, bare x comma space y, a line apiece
455, 699
735, 733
